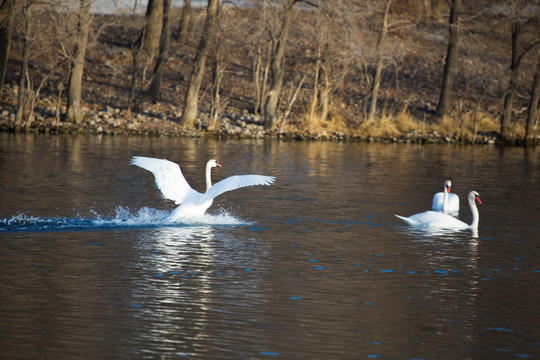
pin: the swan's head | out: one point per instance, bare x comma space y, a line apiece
447, 186
473, 195
213, 163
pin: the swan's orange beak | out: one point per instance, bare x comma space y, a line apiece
448, 188
218, 164
478, 199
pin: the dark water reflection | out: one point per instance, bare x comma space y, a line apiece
316, 266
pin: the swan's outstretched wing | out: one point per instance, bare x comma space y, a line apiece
236, 182
169, 177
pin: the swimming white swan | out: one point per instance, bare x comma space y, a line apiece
173, 185
445, 201
439, 220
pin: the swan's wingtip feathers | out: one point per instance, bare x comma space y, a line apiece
269, 180
134, 160
141, 161
252, 180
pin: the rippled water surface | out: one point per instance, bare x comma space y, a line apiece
315, 266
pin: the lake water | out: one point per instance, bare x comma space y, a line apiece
315, 266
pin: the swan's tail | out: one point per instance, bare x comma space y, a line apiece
409, 221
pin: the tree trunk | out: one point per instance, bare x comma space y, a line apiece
151, 34
534, 107
153, 91
321, 89
510, 94
277, 69
73, 112
23, 85
324, 93
191, 102
135, 56
218, 69
452, 56
433, 9
256, 76
184, 22
135, 61
7, 13
315, 96
261, 77
380, 61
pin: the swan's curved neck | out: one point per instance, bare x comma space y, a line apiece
445, 200
475, 214
208, 175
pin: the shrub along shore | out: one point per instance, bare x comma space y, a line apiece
397, 129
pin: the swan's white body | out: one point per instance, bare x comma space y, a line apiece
435, 219
173, 185
445, 201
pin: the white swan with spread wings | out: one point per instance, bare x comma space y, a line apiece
173, 185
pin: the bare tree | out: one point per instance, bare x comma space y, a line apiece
43, 54
184, 22
380, 59
223, 55
319, 100
260, 48
143, 50
261, 68
153, 90
521, 24
74, 111
321, 87
7, 13
277, 66
450, 65
151, 34
534, 107
514, 73
218, 70
433, 8
23, 83
136, 60
191, 101
331, 56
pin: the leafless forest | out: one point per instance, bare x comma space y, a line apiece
398, 70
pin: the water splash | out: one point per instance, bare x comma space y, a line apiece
122, 218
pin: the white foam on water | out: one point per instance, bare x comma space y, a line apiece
122, 217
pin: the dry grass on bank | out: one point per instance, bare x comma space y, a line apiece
466, 127
390, 125
401, 124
